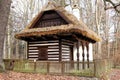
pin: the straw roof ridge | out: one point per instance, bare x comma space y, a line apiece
60, 10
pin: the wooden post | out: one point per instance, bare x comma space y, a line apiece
60, 50
94, 67
71, 57
48, 67
77, 45
62, 67
87, 47
35, 65
83, 55
27, 50
71, 53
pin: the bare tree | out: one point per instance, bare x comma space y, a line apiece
21, 14
4, 13
114, 5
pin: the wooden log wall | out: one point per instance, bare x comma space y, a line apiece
66, 50
53, 50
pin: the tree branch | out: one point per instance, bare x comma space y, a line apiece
114, 6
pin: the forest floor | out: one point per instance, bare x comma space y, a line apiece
114, 74
10, 75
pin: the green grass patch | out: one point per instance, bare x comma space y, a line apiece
87, 72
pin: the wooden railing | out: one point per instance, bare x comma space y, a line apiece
51, 67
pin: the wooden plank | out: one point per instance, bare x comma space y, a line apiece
54, 45
65, 58
32, 58
65, 50
44, 41
42, 44
33, 47
53, 54
65, 53
33, 53
65, 45
53, 57
52, 51
53, 48
30, 52
68, 41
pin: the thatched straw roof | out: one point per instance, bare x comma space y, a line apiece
75, 25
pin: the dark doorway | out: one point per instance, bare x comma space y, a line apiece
42, 53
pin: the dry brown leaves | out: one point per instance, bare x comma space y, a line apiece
115, 74
10, 75
33, 76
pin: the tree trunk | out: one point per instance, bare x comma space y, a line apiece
98, 19
4, 14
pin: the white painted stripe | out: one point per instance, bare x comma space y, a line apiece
44, 41
42, 44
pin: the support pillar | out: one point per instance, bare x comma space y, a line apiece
83, 55
60, 50
71, 53
87, 47
77, 45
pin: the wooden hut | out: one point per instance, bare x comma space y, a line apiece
51, 35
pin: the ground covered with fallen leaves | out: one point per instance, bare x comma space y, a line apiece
10, 75
115, 74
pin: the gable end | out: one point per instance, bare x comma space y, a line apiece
50, 18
